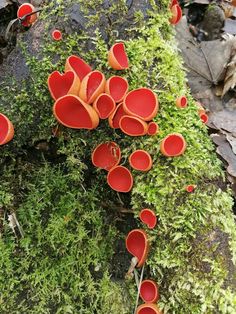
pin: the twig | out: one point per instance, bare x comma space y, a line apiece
140, 281
11, 23
137, 279
29, 14
131, 3
133, 263
1, 220
19, 226
13, 223
125, 210
120, 198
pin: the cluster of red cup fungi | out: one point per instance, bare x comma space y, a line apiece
26, 13
83, 96
91, 97
202, 113
29, 9
137, 244
108, 155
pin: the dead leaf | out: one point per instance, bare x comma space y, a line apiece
206, 60
201, 1
230, 26
3, 4
228, 10
225, 151
232, 140
219, 90
217, 54
230, 77
210, 101
224, 120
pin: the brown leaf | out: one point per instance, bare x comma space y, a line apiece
230, 26
232, 141
207, 60
3, 3
230, 77
225, 120
225, 151
228, 10
219, 90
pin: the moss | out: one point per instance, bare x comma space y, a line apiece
57, 267
58, 198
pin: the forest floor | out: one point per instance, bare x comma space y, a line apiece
210, 66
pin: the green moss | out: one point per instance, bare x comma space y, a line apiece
59, 206
57, 267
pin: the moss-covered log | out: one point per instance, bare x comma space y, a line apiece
67, 260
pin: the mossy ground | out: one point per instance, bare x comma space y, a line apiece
67, 211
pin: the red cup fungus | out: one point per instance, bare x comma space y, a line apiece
141, 103
204, 117
173, 145
104, 105
148, 217
133, 126
24, 9
176, 14
117, 57
120, 179
57, 35
137, 244
106, 155
149, 291
62, 84
190, 188
117, 87
153, 128
73, 113
6, 130
182, 102
140, 160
